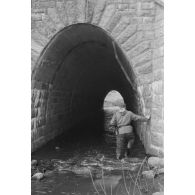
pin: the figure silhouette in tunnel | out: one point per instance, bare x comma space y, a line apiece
121, 125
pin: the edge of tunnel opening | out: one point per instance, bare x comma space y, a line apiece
122, 60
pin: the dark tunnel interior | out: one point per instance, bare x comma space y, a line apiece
81, 64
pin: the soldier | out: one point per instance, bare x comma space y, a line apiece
121, 121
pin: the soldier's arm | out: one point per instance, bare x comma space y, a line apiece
113, 122
136, 117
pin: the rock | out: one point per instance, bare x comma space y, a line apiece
148, 174
156, 162
34, 162
160, 171
81, 170
39, 176
158, 193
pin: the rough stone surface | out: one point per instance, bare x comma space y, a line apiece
148, 174
157, 139
121, 25
139, 48
156, 162
132, 41
128, 32
108, 12
143, 57
98, 10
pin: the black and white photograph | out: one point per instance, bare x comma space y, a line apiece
97, 97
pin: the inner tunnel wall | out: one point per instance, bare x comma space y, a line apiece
136, 26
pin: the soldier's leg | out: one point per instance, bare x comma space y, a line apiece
130, 143
120, 146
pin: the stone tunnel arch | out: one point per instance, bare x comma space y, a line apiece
137, 27
72, 76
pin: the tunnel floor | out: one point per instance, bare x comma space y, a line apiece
73, 156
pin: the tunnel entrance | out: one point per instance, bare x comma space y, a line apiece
72, 76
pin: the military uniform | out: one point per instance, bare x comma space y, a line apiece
121, 121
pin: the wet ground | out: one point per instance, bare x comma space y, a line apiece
86, 164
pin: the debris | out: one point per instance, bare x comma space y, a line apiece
156, 162
39, 176
34, 162
148, 174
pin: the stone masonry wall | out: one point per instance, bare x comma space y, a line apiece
137, 27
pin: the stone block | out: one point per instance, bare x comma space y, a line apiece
98, 10
156, 162
157, 43
60, 5
161, 152
153, 150
159, 32
46, 4
158, 52
158, 75
127, 33
136, 19
90, 6
147, 5
132, 41
159, 16
53, 14
81, 9
145, 27
113, 22
41, 121
125, 6
38, 10
159, 24
143, 57
158, 100
146, 12
138, 49
34, 112
148, 35
157, 113
157, 139
147, 20
147, 90
32, 123
71, 11
157, 125
158, 63
145, 79
148, 174
32, 135
39, 38
42, 131
158, 193
145, 68
123, 23
148, 102
107, 14
158, 87
36, 16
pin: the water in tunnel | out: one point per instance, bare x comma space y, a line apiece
73, 75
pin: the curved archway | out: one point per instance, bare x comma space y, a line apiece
72, 76
113, 99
